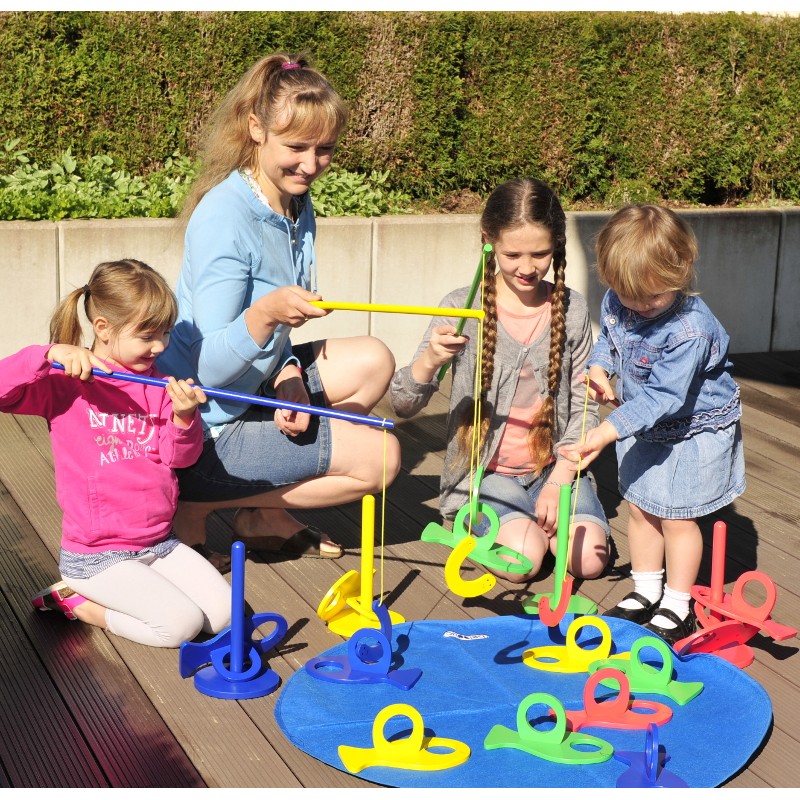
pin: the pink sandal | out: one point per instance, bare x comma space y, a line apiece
58, 597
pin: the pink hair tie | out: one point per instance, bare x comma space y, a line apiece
290, 65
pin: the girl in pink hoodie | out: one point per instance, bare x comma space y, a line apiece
116, 445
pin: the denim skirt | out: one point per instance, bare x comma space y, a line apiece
685, 478
251, 456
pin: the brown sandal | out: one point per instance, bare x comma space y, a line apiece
303, 544
220, 561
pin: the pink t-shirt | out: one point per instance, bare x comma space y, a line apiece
513, 457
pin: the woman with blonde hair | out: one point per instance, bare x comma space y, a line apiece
247, 280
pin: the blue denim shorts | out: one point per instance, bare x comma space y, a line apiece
251, 456
685, 478
514, 497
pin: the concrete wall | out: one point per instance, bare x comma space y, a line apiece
749, 270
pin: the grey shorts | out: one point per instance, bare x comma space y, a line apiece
251, 456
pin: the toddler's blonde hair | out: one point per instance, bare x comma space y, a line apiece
645, 250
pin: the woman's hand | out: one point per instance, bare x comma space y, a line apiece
443, 346
289, 386
185, 399
287, 305
78, 362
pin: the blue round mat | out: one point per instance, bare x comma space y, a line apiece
473, 678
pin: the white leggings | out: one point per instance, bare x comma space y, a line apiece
160, 601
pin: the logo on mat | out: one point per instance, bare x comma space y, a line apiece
464, 637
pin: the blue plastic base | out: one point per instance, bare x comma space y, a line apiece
209, 681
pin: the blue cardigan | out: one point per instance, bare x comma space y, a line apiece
236, 250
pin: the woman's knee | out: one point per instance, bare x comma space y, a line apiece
375, 355
385, 469
365, 359
370, 456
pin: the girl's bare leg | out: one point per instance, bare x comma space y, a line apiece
587, 555
526, 537
683, 543
646, 540
588, 552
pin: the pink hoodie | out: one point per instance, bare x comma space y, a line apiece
114, 445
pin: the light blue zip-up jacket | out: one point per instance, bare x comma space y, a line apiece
673, 372
236, 250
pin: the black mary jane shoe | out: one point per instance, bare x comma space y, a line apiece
683, 627
637, 615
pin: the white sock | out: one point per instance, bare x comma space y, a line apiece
647, 584
674, 601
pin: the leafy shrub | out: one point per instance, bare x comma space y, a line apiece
98, 187
93, 187
700, 108
339, 193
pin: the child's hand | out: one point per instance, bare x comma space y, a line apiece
443, 346
185, 399
547, 508
600, 388
78, 362
289, 386
595, 441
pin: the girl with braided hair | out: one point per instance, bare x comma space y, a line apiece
537, 339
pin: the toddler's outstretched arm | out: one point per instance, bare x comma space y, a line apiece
593, 445
185, 399
78, 361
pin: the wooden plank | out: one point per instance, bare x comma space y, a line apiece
239, 743
40, 743
96, 689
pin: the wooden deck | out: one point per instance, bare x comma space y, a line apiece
80, 708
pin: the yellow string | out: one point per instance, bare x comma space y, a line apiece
383, 507
474, 456
580, 458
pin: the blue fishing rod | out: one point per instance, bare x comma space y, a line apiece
241, 397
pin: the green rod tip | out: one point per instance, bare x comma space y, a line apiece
487, 248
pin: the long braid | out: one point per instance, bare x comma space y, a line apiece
542, 434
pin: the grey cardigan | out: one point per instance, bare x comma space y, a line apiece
409, 397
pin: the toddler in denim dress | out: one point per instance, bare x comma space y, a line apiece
677, 429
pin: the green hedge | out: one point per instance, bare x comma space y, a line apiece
608, 106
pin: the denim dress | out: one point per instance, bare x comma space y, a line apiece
679, 453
